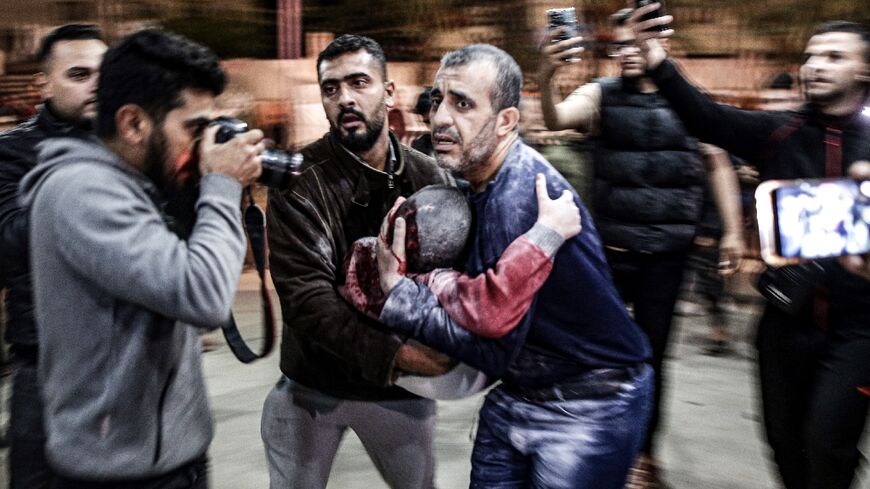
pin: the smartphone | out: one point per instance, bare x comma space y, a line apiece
563, 17
659, 12
800, 220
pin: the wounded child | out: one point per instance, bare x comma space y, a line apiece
437, 224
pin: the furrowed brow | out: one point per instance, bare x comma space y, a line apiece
460, 95
356, 75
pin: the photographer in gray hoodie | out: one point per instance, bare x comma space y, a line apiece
116, 276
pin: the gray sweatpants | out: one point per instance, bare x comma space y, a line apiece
302, 428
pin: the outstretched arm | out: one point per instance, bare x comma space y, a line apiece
581, 110
741, 132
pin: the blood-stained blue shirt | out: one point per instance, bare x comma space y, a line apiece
578, 321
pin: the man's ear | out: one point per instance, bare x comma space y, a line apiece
507, 121
390, 99
40, 80
133, 125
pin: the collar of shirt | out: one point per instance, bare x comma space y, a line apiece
391, 162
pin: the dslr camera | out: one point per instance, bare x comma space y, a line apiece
279, 167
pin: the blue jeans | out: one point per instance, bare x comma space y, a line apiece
576, 443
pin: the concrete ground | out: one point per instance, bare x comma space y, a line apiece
711, 439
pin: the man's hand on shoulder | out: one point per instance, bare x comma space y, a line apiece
238, 158
562, 214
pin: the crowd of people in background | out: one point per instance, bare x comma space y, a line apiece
122, 239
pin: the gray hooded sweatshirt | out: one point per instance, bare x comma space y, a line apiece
122, 383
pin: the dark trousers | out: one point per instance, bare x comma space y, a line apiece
190, 476
651, 284
813, 412
28, 468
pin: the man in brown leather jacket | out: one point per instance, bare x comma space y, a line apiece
338, 365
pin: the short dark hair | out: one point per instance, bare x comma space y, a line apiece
846, 26
150, 68
508, 80
68, 32
350, 43
424, 102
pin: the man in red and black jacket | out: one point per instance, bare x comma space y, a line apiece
813, 364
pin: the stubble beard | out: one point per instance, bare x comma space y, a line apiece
82, 117
155, 159
179, 197
361, 140
824, 98
475, 155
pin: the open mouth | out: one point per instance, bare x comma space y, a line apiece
817, 82
350, 121
442, 142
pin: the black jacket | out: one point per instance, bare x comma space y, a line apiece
648, 173
17, 157
784, 145
326, 343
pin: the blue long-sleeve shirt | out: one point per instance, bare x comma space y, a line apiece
578, 321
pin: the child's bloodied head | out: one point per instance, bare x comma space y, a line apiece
438, 222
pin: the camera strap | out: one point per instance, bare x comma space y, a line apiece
255, 226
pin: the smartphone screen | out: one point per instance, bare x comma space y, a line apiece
563, 17
821, 218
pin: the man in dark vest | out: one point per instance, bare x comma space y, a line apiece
647, 194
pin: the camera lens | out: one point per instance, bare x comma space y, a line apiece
278, 167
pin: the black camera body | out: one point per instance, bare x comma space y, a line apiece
278, 166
